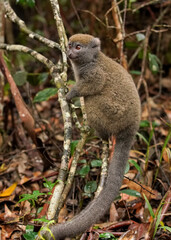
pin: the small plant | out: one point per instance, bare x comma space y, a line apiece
50, 185
30, 234
32, 198
107, 235
156, 217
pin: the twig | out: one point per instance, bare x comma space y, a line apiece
76, 13
141, 79
54, 203
103, 175
14, 18
120, 33
98, 19
166, 202
145, 4
14, 47
75, 117
62, 37
72, 171
139, 185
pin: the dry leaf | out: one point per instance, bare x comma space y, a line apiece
10, 216
113, 213
8, 191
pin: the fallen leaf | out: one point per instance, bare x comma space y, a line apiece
113, 213
10, 216
9, 191
3, 167
167, 155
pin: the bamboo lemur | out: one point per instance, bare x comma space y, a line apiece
113, 108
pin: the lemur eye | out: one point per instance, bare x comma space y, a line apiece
78, 47
69, 45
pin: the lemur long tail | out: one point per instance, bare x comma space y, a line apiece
98, 207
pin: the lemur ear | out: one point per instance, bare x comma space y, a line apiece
96, 43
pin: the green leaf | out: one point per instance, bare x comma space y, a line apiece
29, 3
153, 62
149, 206
90, 187
45, 94
146, 123
140, 54
33, 196
37, 78
166, 228
71, 82
130, 3
49, 184
127, 168
96, 163
157, 222
131, 192
142, 137
20, 78
30, 234
73, 146
29, 228
43, 219
131, 45
39, 210
107, 235
84, 170
84, 161
135, 72
6, 89
135, 164
140, 37
42, 77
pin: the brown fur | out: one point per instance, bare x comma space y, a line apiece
82, 38
113, 108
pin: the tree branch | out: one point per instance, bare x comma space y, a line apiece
14, 18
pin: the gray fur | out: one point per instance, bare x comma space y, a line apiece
113, 108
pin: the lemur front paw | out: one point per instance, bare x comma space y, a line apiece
68, 97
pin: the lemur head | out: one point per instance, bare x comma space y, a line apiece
83, 48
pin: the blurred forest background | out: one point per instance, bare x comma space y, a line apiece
137, 34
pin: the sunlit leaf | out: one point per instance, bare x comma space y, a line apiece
30, 234
107, 235
29, 3
166, 228
131, 192
153, 62
9, 191
42, 219
140, 37
33, 196
49, 184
